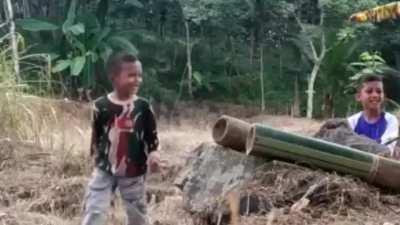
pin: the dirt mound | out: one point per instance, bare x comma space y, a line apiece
281, 192
298, 195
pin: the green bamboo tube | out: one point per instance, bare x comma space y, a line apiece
387, 173
268, 142
231, 132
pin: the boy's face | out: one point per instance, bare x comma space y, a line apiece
128, 81
371, 95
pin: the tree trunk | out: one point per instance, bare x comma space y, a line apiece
296, 102
162, 30
280, 62
53, 8
252, 42
3, 17
397, 58
262, 77
317, 59
101, 11
14, 41
26, 9
310, 89
189, 58
328, 105
162, 22
175, 56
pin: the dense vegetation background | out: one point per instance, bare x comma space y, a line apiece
283, 56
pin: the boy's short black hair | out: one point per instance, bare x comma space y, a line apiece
369, 78
372, 77
115, 61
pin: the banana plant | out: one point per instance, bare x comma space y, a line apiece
86, 40
369, 63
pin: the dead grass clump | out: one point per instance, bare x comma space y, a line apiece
20, 216
23, 120
7, 218
21, 155
68, 163
303, 195
18, 186
7, 154
170, 212
62, 198
365, 217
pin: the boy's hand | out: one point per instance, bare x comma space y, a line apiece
153, 162
396, 153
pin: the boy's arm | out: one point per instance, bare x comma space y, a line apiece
150, 132
93, 142
352, 120
95, 130
391, 132
151, 139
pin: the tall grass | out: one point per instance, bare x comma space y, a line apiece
20, 119
46, 123
40, 144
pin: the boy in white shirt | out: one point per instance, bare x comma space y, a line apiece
373, 122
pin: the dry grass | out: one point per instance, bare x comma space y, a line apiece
43, 160
298, 195
44, 164
44, 169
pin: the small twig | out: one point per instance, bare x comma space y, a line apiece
271, 217
4, 24
304, 201
5, 140
393, 210
234, 206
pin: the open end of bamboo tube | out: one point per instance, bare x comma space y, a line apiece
220, 129
250, 140
231, 132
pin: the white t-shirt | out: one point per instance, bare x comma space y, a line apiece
382, 131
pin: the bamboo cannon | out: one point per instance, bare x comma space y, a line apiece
231, 132
271, 143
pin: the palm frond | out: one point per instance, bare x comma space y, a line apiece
380, 13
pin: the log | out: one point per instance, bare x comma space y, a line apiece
231, 132
268, 142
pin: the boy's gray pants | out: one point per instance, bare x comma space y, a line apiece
99, 194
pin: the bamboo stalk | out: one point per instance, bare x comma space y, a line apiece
189, 58
231, 132
268, 142
387, 173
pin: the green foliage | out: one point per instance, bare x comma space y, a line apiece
135, 3
31, 24
77, 65
369, 63
85, 42
226, 36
